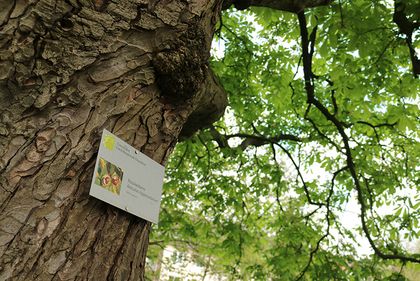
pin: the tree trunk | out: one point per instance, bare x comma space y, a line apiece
69, 69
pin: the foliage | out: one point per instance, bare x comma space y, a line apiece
323, 115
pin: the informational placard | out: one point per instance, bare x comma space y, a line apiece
126, 178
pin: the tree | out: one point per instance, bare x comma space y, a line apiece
69, 69
140, 69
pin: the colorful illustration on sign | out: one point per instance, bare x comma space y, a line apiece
109, 142
109, 176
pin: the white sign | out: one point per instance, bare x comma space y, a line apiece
126, 178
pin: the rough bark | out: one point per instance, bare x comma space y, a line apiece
68, 69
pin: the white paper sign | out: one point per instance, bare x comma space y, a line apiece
126, 178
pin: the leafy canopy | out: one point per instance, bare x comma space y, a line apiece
322, 128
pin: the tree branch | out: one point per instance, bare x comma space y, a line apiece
305, 186
308, 76
327, 218
293, 6
210, 106
250, 140
407, 28
278, 184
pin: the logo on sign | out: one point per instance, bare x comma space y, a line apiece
109, 142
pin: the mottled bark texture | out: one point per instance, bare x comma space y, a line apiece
69, 69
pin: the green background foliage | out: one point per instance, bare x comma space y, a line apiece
270, 207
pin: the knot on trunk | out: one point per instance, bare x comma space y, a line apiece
181, 70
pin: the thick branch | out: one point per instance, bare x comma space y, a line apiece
211, 106
407, 28
293, 6
250, 140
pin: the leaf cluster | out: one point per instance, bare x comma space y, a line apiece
252, 204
